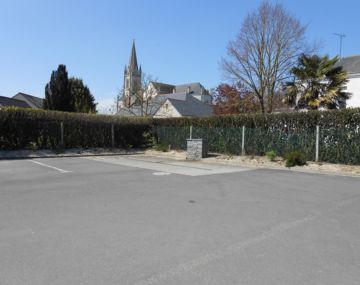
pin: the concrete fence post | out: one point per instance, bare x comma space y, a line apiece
243, 141
112, 136
191, 131
62, 134
317, 143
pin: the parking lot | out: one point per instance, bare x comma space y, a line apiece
140, 220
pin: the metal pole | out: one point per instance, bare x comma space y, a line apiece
191, 130
341, 37
62, 134
317, 143
243, 141
112, 136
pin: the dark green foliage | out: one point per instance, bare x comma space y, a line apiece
69, 95
271, 155
161, 147
83, 100
294, 158
57, 91
38, 129
339, 133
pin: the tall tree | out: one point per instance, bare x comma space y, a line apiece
83, 100
234, 99
266, 48
57, 91
318, 82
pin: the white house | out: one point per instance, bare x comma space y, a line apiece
352, 65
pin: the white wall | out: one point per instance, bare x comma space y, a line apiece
353, 87
167, 110
203, 98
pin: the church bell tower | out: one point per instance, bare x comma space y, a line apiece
132, 80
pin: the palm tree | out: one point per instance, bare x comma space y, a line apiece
318, 82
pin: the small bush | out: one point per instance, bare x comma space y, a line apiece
294, 158
161, 147
271, 155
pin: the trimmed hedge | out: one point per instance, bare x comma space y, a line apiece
39, 129
283, 132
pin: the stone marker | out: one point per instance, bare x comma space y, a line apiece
196, 149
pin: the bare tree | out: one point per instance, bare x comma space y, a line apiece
266, 48
144, 102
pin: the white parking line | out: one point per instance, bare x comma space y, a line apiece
49, 166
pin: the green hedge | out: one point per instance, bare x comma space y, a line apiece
283, 132
38, 129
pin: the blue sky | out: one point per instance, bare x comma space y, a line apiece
177, 41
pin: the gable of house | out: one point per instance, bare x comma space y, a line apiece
32, 101
10, 102
184, 105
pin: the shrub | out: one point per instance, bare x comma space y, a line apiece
294, 158
161, 147
271, 155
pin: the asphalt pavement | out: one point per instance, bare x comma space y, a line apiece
143, 221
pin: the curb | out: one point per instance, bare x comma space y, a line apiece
63, 155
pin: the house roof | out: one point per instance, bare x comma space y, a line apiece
351, 64
148, 108
191, 107
184, 103
10, 102
163, 88
195, 88
32, 101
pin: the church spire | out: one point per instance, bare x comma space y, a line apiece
133, 65
132, 79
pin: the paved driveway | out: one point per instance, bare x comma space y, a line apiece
134, 220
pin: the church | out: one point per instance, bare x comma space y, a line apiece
161, 100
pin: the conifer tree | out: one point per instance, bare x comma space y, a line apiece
83, 100
57, 91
